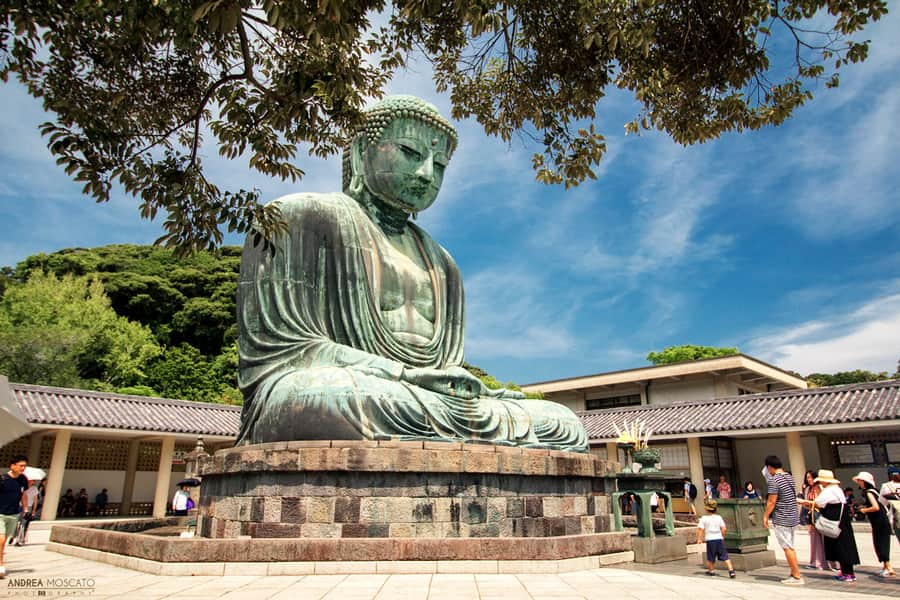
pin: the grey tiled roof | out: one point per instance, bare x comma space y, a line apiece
854, 403
63, 406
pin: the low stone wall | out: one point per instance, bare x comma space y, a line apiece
198, 550
399, 489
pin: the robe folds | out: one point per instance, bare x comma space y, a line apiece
317, 362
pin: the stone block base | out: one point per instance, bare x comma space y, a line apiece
392, 489
659, 549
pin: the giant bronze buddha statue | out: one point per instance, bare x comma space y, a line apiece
353, 328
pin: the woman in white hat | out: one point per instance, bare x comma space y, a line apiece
830, 502
878, 519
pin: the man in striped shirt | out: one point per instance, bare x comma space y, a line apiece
781, 508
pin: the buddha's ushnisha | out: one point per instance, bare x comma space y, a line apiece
353, 328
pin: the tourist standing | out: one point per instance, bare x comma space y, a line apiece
13, 484
711, 529
781, 509
878, 519
809, 492
890, 492
707, 489
723, 488
833, 504
690, 494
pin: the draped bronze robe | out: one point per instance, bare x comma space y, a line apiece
316, 361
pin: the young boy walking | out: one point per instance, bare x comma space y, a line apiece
711, 529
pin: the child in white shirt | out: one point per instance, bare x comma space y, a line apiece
711, 529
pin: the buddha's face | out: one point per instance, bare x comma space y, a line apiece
405, 168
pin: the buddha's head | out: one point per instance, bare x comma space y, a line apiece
399, 154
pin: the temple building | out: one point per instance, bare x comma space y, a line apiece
133, 446
722, 416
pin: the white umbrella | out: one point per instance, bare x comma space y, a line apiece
35, 474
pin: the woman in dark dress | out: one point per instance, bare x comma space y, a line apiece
831, 503
878, 519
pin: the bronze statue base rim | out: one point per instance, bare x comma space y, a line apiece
403, 456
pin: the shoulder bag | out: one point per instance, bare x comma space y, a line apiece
827, 527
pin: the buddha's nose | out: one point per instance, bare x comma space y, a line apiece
426, 169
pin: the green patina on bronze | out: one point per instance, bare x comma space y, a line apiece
353, 328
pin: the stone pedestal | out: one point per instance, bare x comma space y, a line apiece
400, 489
749, 561
659, 549
743, 520
745, 538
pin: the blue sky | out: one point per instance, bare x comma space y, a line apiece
783, 242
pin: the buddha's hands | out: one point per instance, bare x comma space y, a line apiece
455, 381
505, 394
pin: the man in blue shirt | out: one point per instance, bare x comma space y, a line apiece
12, 498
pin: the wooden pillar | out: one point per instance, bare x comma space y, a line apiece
163, 477
130, 473
34, 449
695, 461
57, 471
612, 452
796, 459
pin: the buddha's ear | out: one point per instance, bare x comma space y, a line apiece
354, 186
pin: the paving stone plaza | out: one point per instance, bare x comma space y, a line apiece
77, 577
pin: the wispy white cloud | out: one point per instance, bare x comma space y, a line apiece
862, 338
510, 314
843, 172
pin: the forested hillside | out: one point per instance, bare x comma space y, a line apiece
157, 324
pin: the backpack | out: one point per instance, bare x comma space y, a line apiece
693, 492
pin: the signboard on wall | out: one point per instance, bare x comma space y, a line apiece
855, 454
893, 451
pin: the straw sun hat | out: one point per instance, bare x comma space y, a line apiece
865, 476
826, 476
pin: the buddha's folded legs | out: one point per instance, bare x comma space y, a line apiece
343, 404
555, 425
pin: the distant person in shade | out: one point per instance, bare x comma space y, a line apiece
750, 492
180, 501
81, 503
100, 502
690, 494
724, 488
67, 504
